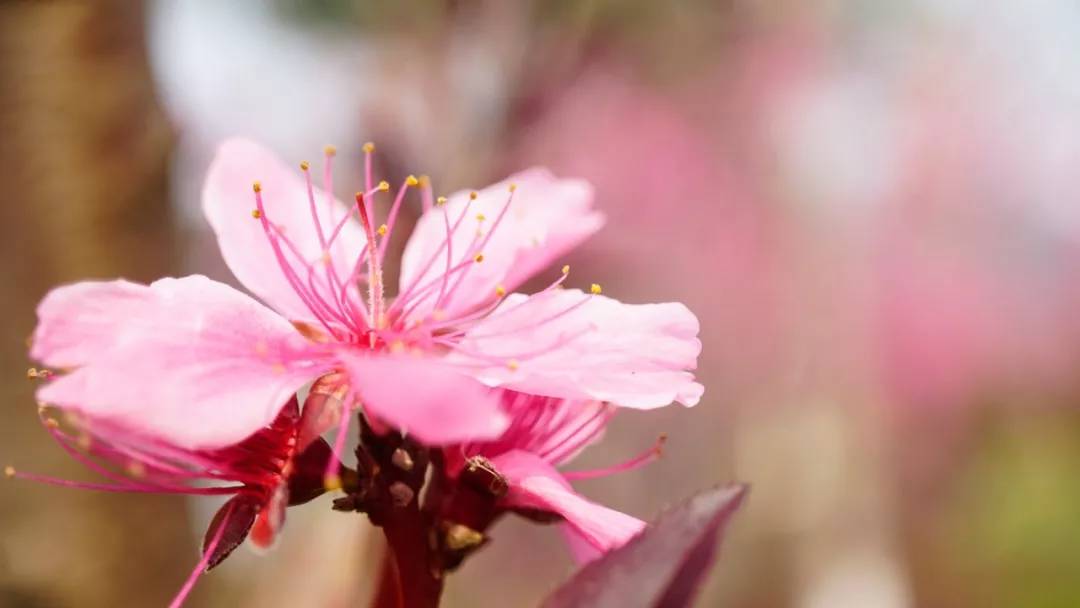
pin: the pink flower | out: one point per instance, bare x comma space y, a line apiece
545, 433
189, 378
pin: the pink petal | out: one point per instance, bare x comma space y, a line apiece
228, 201
581, 550
554, 429
565, 343
425, 398
547, 218
189, 361
323, 408
77, 322
536, 484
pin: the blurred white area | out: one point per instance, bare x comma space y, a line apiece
838, 144
1038, 98
436, 102
991, 86
227, 68
236, 68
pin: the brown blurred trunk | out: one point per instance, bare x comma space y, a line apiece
84, 155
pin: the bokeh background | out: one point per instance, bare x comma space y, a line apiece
872, 205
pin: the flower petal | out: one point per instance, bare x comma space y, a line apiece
554, 429
547, 218
425, 398
189, 361
323, 408
228, 203
565, 343
581, 550
536, 484
77, 322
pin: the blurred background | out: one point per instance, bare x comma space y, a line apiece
872, 205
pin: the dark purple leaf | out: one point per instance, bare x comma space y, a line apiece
308, 470
664, 566
237, 515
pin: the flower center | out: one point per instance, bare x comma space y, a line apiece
332, 297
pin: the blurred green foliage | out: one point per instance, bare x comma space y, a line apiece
1014, 524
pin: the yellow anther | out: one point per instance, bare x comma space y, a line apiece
332, 482
382, 230
473, 195
308, 331
500, 291
369, 147
479, 257
257, 187
595, 289
412, 181
255, 213
566, 269
9, 471
135, 468
513, 187
32, 373
513, 364
384, 186
52, 423
480, 217
462, 538
304, 165
440, 201
330, 150
402, 459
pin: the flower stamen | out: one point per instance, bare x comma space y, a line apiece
208, 551
375, 286
410, 181
654, 452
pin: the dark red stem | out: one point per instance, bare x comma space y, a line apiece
411, 577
